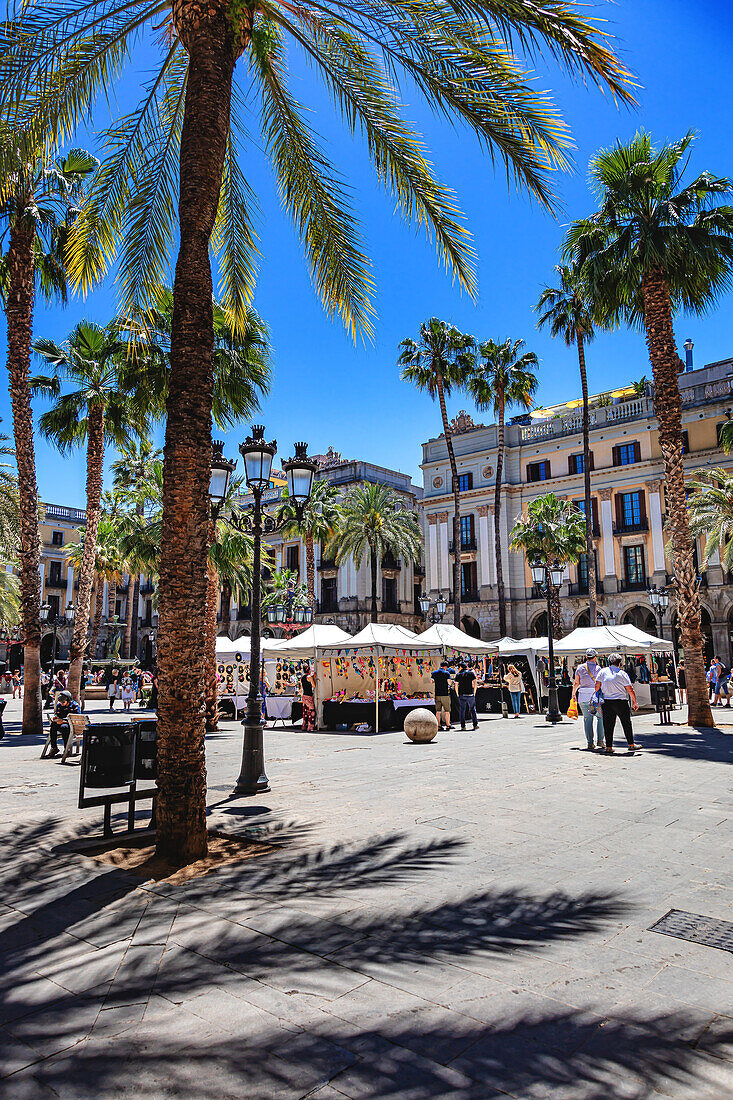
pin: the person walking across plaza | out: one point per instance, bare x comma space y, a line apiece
16, 684
721, 676
127, 693
584, 688
515, 684
112, 690
441, 689
466, 681
307, 686
615, 687
681, 680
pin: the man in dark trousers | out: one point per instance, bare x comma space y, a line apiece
441, 680
466, 681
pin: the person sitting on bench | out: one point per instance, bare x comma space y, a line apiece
65, 705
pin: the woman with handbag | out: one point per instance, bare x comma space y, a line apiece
584, 688
615, 686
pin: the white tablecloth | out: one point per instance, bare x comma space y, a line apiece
412, 702
279, 706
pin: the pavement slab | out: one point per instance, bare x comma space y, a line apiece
469, 922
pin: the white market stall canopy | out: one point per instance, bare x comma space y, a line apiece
507, 646
448, 636
313, 640
387, 638
607, 639
226, 650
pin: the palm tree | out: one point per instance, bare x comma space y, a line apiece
373, 520
552, 529
230, 562
109, 566
440, 360
502, 376
318, 521
567, 309
134, 477
178, 152
94, 412
710, 505
38, 197
654, 246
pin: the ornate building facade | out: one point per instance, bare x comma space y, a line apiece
544, 453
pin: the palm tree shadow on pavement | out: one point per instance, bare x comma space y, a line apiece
242, 953
690, 743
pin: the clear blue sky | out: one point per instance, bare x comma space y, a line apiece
329, 391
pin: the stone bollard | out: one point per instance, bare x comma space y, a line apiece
421, 725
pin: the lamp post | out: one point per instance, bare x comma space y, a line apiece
299, 472
548, 575
433, 610
60, 620
289, 614
659, 599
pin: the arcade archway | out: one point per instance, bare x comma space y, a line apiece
539, 626
471, 626
642, 618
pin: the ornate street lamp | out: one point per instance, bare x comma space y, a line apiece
433, 610
549, 576
258, 455
659, 599
59, 620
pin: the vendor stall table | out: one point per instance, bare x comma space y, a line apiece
280, 707
356, 712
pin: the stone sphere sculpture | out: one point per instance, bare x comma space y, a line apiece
421, 725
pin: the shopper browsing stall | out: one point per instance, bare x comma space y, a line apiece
584, 688
441, 681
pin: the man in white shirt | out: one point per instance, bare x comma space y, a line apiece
616, 687
584, 688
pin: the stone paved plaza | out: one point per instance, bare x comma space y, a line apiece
465, 919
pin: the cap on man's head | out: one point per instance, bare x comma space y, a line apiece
591, 652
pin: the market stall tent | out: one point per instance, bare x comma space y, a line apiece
380, 640
607, 639
227, 650
307, 646
448, 636
316, 637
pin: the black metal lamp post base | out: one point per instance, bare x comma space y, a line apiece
252, 778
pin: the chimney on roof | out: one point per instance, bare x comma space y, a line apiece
688, 346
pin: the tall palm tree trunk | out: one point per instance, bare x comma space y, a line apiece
127, 643
19, 311
310, 568
212, 599
181, 808
112, 609
668, 408
226, 606
97, 622
373, 566
497, 520
456, 510
590, 556
95, 464
131, 642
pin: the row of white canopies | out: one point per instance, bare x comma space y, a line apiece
326, 640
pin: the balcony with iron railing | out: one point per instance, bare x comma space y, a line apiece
632, 408
580, 588
470, 595
467, 545
626, 585
327, 563
389, 562
147, 588
326, 606
637, 527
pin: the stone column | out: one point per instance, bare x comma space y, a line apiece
431, 566
69, 585
485, 536
655, 526
610, 581
105, 601
42, 572
446, 574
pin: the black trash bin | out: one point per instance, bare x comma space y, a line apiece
109, 756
